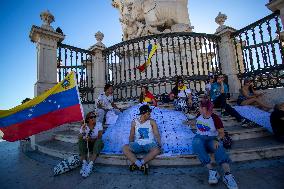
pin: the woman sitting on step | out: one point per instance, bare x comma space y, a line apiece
147, 96
183, 97
248, 96
209, 139
90, 141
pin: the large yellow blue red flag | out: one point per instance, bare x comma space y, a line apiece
60, 104
151, 51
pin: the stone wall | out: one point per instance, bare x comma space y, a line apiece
273, 96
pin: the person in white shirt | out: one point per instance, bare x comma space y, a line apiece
106, 104
210, 81
144, 137
90, 141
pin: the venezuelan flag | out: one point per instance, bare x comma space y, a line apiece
151, 52
58, 105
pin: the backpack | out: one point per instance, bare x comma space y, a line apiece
165, 98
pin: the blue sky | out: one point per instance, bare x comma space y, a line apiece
80, 20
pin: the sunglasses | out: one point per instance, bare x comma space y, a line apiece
92, 117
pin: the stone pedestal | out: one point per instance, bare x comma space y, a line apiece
46, 40
228, 59
227, 53
98, 61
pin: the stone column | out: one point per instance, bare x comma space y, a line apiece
227, 54
98, 64
46, 39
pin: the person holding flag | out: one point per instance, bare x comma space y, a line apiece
90, 140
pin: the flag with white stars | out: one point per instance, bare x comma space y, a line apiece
58, 105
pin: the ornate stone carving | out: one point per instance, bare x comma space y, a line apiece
220, 20
99, 37
133, 28
47, 19
144, 17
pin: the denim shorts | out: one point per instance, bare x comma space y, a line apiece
137, 148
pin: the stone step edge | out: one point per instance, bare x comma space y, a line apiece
184, 160
235, 135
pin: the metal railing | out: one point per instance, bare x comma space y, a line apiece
259, 52
190, 55
79, 60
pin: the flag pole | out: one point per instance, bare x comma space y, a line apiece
82, 112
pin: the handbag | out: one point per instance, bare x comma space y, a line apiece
227, 141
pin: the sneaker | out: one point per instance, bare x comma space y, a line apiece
213, 177
230, 182
145, 168
88, 170
133, 167
84, 165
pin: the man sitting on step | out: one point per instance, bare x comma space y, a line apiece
144, 137
209, 139
107, 106
218, 93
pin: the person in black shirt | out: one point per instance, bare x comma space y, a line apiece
277, 121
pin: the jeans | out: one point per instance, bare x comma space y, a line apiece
203, 144
137, 148
220, 101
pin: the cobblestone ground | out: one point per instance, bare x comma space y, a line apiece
34, 170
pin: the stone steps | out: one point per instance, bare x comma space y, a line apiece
236, 132
248, 144
69, 136
242, 150
247, 133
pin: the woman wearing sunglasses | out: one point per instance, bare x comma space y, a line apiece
90, 143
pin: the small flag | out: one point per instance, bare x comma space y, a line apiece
151, 52
58, 105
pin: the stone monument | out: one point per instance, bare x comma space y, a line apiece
148, 17
145, 17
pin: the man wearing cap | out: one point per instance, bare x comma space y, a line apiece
144, 137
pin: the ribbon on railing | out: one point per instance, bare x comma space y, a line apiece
151, 51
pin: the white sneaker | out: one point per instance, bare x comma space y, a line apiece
85, 174
84, 165
230, 182
88, 170
213, 177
